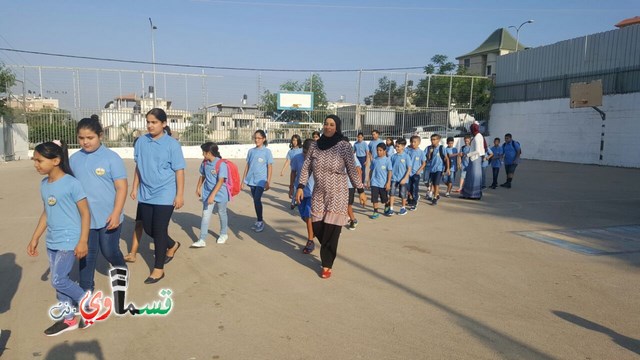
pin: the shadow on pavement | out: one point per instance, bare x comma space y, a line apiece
10, 275
70, 350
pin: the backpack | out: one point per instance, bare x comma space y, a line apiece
442, 155
233, 177
513, 145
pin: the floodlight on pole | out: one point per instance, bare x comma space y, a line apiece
153, 59
518, 32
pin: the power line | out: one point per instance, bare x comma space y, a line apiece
204, 66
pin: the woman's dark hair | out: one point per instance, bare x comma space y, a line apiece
212, 148
382, 146
262, 134
315, 133
51, 150
160, 115
307, 144
298, 141
92, 123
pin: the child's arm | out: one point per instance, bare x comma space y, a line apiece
136, 185
32, 248
212, 197
244, 175
113, 221
199, 186
387, 186
448, 165
292, 180
82, 248
368, 184
421, 168
269, 171
406, 176
286, 162
179, 200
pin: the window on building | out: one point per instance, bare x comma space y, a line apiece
467, 63
489, 70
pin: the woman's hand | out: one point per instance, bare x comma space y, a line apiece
198, 192
299, 196
81, 250
266, 186
134, 194
211, 199
32, 248
178, 202
363, 199
113, 221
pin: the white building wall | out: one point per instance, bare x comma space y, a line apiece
550, 130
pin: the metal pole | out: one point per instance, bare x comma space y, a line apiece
404, 106
40, 78
153, 60
428, 90
449, 105
356, 121
120, 82
471, 95
165, 86
78, 80
98, 87
186, 90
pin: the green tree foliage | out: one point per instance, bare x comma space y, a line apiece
314, 84
7, 80
51, 124
388, 93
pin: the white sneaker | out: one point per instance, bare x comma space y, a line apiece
222, 239
199, 244
254, 226
259, 226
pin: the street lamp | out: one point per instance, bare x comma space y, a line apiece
153, 59
518, 32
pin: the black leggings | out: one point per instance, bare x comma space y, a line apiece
155, 221
328, 236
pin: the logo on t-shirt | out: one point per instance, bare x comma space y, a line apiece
402, 161
100, 171
51, 200
383, 167
213, 171
260, 160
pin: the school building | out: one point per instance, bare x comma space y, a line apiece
532, 97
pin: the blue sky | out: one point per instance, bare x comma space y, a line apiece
285, 34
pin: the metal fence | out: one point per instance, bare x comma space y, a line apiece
227, 107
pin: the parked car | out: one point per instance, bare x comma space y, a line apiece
425, 132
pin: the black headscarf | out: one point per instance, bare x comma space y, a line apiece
325, 142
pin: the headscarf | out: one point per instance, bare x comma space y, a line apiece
475, 130
325, 143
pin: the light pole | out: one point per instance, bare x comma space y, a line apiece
153, 59
518, 32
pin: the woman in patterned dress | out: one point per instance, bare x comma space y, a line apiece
327, 160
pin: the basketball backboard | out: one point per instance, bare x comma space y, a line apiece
295, 101
586, 94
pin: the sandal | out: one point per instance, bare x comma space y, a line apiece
130, 258
308, 249
326, 273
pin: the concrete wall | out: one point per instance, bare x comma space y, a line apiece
550, 130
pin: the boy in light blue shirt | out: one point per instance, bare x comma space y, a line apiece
360, 147
452, 154
439, 164
401, 164
496, 161
464, 160
512, 152
372, 153
304, 208
380, 179
417, 163
485, 163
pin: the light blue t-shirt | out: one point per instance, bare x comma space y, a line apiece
259, 159
400, 164
417, 158
465, 159
360, 148
296, 166
498, 154
485, 162
208, 170
293, 152
372, 147
380, 169
436, 163
390, 151
97, 171
349, 184
60, 200
453, 157
157, 161
510, 152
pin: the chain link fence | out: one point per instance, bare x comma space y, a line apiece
227, 107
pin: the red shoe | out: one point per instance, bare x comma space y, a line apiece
326, 273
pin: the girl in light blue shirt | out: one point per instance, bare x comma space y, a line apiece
66, 219
257, 174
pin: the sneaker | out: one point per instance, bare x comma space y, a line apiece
388, 212
82, 324
259, 226
504, 185
434, 201
375, 215
255, 225
61, 326
412, 208
199, 244
447, 194
222, 239
429, 196
403, 211
352, 224
293, 203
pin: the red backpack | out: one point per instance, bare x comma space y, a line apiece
233, 177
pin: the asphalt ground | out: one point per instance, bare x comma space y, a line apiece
503, 277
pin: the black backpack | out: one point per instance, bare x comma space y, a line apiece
442, 155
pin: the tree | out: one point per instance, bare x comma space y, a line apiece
313, 84
51, 124
7, 80
388, 93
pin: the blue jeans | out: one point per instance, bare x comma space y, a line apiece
67, 291
207, 209
107, 242
256, 193
362, 160
414, 188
